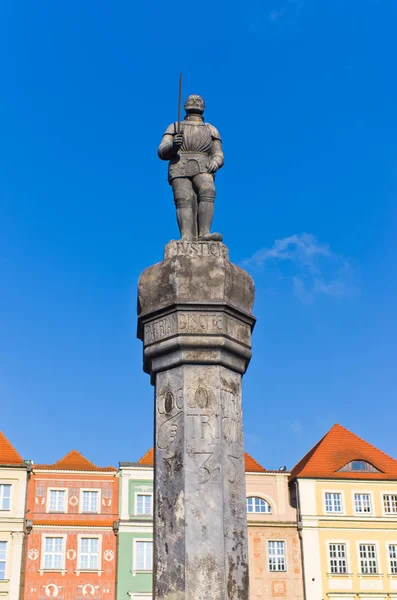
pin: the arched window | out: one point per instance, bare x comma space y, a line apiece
258, 505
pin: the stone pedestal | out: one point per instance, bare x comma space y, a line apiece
195, 322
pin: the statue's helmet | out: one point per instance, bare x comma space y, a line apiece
194, 104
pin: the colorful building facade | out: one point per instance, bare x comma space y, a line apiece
346, 493
273, 543
72, 519
13, 478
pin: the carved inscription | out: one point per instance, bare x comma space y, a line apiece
196, 249
197, 322
209, 418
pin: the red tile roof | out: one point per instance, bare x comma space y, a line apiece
251, 465
8, 454
336, 449
74, 461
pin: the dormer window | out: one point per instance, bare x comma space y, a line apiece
359, 466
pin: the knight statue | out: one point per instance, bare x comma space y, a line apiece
194, 149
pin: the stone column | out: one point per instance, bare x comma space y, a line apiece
195, 322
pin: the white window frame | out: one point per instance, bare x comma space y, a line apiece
261, 497
134, 555
377, 557
140, 493
65, 500
98, 537
79, 568
345, 543
390, 543
342, 502
42, 559
5, 561
5, 483
90, 512
388, 493
371, 499
284, 541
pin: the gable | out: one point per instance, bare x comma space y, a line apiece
341, 454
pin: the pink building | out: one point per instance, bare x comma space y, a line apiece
273, 541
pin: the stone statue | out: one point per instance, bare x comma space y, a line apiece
195, 154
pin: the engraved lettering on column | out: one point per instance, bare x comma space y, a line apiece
233, 461
167, 432
206, 469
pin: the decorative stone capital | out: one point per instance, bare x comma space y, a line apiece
195, 308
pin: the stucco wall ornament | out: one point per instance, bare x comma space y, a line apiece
33, 554
108, 555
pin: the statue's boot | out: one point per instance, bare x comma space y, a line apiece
205, 216
211, 237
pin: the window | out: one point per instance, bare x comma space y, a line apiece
53, 553
89, 501
359, 465
5, 496
362, 503
89, 553
393, 558
144, 504
368, 559
57, 501
390, 503
258, 505
333, 502
3, 554
143, 556
337, 558
276, 553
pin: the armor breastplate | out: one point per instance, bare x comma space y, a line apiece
193, 155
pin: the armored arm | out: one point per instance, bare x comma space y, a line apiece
217, 153
216, 157
168, 149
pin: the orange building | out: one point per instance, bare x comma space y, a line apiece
72, 522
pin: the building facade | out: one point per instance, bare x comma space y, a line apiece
273, 544
72, 520
13, 483
346, 492
274, 547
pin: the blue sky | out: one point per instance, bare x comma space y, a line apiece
304, 94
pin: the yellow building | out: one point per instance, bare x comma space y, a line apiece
346, 496
13, 478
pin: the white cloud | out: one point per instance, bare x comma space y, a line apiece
311, 267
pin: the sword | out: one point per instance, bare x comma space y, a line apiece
179, 103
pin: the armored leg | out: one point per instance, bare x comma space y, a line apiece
185, 199
204, 187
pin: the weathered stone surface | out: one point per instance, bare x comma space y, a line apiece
194, 273
195, 322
